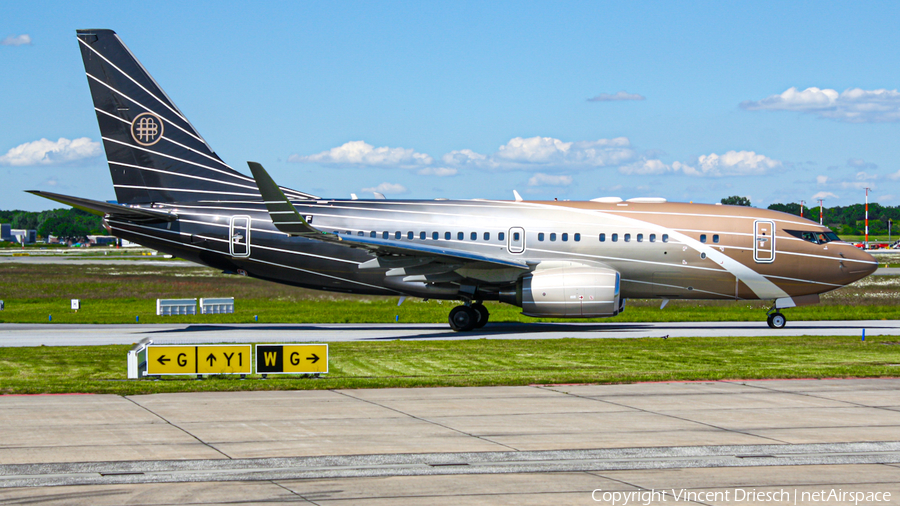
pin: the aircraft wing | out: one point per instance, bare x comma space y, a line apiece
286, 219
103, 208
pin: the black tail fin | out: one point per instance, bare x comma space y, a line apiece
154, 153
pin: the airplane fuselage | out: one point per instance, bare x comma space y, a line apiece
662, 250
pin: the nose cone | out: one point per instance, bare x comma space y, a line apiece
858, 264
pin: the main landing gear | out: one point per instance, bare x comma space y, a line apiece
468, 317
775, 319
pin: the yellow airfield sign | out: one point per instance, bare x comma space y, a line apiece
291, 358
199, 359
225, 359
171, 360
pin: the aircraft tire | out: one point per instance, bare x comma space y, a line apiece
463, 318
776, 321
483, 315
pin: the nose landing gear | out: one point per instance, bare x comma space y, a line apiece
468, 317
775, 319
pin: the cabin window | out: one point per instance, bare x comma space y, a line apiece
602, 237
460, 236
516, 236
347, 232
565, 236
541, 236
577, 237
487, 236
447, 235
386, 235
409, 235
501, 236
398, 235
615, 238
665, 238
422, 235
640, 238
435, 235
360, 233
373, 233
702, 237
473, 236
627, 238
553, 237
652, 237
716, 238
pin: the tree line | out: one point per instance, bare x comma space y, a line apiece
63, 223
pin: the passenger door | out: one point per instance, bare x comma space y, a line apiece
764, 241
239, 232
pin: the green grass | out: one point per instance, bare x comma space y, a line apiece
102, 369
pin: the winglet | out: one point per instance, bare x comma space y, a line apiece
518, 197
284, 216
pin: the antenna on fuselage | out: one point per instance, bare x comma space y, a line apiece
518, 197
353, 196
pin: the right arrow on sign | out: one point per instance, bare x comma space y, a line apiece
314, 358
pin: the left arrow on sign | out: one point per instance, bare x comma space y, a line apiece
162, 359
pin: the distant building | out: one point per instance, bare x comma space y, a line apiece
103, 240
23, 236
5, 234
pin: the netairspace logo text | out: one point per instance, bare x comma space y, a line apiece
780, 496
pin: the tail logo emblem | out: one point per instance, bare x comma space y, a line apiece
147, 129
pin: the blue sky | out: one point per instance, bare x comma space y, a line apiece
691, 101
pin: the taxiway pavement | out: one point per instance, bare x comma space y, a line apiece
27, 334
562, 444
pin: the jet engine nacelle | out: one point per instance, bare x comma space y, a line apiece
577, 291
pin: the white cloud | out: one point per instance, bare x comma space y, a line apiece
16, 40
437, 171
540, 179
547, 153
823, 196
46, 152
853, 105
615, 97
821, 179
647, 167
895, 176
732, 163
387, 188
359, 153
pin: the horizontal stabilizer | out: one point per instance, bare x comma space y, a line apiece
104, 208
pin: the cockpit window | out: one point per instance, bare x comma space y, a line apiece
814, 237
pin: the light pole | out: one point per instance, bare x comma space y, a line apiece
820, 211
801, 208
867, 218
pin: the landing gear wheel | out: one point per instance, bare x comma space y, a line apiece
463, 318
776, 320
483, 314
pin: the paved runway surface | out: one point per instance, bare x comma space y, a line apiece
16, 334
536, 445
